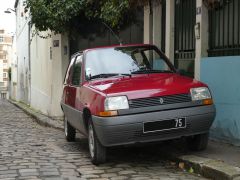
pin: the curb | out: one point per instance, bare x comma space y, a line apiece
208, 168
39, 117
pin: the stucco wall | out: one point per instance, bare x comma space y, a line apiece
22, 53
48, 66
222, 75
41, 74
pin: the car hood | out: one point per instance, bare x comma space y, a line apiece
145, 85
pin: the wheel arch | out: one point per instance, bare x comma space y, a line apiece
86, 117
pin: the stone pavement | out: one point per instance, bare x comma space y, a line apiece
31, 151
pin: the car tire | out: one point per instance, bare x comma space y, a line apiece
198, 142
96, 149
69, 131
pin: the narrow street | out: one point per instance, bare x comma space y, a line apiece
31, 151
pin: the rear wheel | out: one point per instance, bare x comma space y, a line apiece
69, 131
198, 142
96, 149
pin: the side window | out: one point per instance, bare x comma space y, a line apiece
76, 76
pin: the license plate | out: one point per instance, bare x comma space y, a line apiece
164, 125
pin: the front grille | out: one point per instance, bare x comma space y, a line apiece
162, 100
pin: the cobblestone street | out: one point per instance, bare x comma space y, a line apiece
31, 151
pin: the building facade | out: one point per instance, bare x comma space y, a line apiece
202, 38
22, 53
40, 65
5, 63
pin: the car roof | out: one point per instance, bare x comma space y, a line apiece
114, 46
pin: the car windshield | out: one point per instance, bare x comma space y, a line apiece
102, 63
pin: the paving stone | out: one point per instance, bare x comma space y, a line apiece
109, 175
114, 170
3, 168
92, 172
17, 167
29, 174
88, 176
27, 170
119, 178
4, 176
8, 172
126, 172
50, 173
48, 169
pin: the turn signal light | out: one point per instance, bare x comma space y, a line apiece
108, 113
207, 101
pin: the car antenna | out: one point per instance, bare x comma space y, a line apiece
113, 33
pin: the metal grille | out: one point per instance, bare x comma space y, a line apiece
156, 101
185, 19
224, 28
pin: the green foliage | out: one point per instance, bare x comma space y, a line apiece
62, 15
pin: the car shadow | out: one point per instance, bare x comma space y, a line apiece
142, 153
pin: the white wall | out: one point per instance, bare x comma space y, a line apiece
22, 53
14, 80
41, 67
39, 77
60, 62
47, 73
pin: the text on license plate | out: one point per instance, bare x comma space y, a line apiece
164, 125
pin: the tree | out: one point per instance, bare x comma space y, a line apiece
61, 16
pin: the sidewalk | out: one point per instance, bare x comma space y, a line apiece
39, 117
220, 161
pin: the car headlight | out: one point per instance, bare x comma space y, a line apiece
116, 103
200, 93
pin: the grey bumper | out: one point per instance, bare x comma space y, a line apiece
128, 129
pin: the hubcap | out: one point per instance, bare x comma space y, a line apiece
65, 127
91, 140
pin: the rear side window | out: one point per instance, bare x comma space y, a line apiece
69, 70
76, 76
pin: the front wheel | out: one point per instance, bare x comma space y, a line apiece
69, 131
198, 142
97, 151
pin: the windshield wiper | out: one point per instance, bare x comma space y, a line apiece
108, 75
146, 71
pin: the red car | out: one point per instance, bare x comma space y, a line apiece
123, 95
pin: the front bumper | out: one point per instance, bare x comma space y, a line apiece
128, 129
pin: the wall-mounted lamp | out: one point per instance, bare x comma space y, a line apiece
8, 10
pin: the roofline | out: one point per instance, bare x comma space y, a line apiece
16, 4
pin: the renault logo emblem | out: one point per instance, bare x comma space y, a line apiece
161, 100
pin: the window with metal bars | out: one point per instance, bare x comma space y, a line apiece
224, 28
